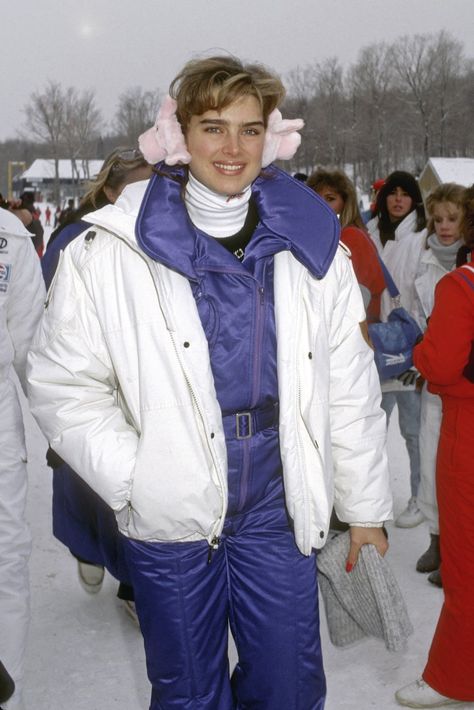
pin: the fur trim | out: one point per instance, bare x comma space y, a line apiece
165, 141
281, 138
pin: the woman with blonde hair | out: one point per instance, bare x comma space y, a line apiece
219, 450
444, 207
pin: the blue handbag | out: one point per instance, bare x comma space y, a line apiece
394, 340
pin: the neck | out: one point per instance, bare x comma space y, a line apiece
217, 215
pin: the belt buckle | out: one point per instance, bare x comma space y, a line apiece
244, 418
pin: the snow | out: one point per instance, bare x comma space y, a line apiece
42, 169
85, 653
459, 170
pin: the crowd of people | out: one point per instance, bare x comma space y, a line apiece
203, 372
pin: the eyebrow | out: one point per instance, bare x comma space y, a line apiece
222, 122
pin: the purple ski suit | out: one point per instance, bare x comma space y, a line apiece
253, 576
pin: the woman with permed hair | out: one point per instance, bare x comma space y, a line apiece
338, 191
194, 365
445, 359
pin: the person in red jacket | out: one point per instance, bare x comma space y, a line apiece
338, 191
445, 358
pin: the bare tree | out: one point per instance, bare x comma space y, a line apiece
428, 66
45, 120
300, 104
330, 106
370, 84
82, 121
450, 65
136, 112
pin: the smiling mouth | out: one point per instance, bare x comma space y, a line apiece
230, 167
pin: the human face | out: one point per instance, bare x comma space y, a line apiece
447, 222
333, 198
226, 146
399, 204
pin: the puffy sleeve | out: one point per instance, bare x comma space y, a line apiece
73, 389
358, 424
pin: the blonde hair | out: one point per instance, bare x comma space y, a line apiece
214, 83
113, 174
339, 182
448, 192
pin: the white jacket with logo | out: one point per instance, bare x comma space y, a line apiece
21, 295
121, 384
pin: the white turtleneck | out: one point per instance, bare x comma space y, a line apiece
218, 215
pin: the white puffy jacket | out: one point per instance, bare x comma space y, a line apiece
21, 295
121, 384
401, 256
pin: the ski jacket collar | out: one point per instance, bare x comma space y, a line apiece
287, 210
292, 218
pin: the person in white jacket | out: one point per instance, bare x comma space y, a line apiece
444, 207
21, 304
399, 233
155, 375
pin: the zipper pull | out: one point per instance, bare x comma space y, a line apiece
88, 239
262, 295
213, 545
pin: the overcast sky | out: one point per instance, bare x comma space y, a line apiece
111, 45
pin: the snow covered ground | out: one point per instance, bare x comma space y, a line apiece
85, 653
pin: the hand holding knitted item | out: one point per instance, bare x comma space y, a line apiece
281, 138
165, 141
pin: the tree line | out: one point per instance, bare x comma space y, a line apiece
396, 106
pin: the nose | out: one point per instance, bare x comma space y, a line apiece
231, 144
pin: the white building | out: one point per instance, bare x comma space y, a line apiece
440, 170
73, 175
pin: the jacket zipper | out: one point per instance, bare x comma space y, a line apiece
256, 370
298, 415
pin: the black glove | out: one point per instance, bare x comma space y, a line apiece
408, 378
53, 459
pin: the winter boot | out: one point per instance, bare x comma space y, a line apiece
431, 559
435, 578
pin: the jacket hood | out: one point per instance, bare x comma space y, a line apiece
287, 209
